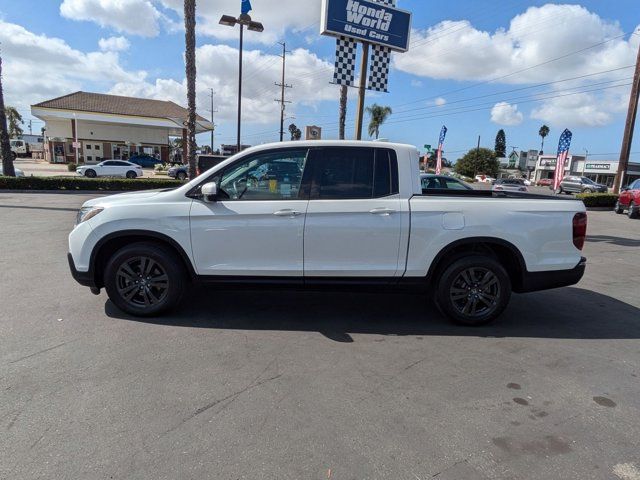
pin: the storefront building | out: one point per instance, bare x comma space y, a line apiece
600, 171
110, 127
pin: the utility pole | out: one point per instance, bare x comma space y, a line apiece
362, 88
629, 125
282, 86
212, 112
30, 131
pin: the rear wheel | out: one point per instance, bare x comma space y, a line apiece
473, 291
633, 210
131, 174
144, 279
619, 209
90, 173
181, 176
588, 190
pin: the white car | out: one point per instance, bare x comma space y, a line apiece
19, 173
484, 179
111, 168
327, 212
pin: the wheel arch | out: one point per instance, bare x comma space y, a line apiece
504, 251
112, 242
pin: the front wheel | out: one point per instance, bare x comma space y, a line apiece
144, 279
633, 210
181, 176
619, 209
90, 173
473, 290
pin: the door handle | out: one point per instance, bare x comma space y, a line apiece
382, 211
287, 212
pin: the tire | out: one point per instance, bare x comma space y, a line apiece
143, 262
619, 209
633, 210
460, 290
588, 190
181, 176
90, 173
131, 174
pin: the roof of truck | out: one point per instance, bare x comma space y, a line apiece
331, 143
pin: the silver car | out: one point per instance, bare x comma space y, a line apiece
509, 185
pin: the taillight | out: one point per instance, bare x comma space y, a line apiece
579, 229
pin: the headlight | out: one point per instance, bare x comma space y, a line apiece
85, 213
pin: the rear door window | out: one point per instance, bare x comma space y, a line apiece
354, 173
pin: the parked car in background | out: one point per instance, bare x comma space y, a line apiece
509, 185
19, 173
327, 212
574, 184
629, 200
144, 160
205, 162
111, 168
524, 181
484, 179
20, 148
180, 172
430, 181
545, 182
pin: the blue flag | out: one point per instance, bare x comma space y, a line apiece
246, 6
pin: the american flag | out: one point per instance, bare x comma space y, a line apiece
443, 133
563, 152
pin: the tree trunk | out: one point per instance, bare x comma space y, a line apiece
190, 71
5, 146
343, 110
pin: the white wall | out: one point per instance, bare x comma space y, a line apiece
108, 132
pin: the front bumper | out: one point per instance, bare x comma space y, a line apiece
83, 278
535, 281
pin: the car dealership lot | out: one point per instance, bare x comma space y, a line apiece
284, 384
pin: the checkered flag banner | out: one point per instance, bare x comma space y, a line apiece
379, 63
345, 63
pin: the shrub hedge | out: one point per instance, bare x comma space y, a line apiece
598, 199
83, 183
71, 167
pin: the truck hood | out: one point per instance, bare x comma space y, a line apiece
126, 198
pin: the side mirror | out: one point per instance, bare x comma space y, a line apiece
209, 191
625, 188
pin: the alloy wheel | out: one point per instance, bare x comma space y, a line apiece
142, 282
475, 292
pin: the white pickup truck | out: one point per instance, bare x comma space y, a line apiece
327, 213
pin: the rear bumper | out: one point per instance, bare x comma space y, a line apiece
534, 281
83, 278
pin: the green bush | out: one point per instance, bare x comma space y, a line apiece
71, 167
598, 199
83, 183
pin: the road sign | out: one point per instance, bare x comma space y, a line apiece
76, 144
367, 21
428, 147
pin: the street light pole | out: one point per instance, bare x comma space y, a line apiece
240, 85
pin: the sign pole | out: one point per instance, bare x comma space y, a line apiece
362, 89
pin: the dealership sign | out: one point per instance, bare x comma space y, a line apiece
367, 21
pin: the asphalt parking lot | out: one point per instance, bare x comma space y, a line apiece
313, 385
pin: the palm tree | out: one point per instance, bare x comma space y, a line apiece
378, 115
543, 132
14, 120
343, 110
5, 146
190, 71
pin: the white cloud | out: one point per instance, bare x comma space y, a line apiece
37, 67
456, 50
503, 113
114, 44
438, 102
136, 17
217, 68
416, 83
276, 16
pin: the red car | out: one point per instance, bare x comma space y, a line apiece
629, 200
545, 182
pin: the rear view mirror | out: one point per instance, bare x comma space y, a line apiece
209, 191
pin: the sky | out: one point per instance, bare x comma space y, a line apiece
473, 65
